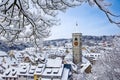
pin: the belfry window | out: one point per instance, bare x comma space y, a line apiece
76, 39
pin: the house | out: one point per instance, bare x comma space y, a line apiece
19, 56
85, 66
53, 70
68, 45
28, 58
92, 57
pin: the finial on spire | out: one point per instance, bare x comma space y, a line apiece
76, 27
76, 23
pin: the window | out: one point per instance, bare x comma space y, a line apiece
25, 76
32, 77
3, 77
48, 72
7, 73
55, 72
91, 55
76, 39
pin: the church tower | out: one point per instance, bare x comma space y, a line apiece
77, 47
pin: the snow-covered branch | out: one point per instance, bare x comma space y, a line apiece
108, 67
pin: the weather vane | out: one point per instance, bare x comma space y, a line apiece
76, 23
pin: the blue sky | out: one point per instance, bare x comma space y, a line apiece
91, 21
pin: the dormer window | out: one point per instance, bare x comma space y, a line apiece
56, 71
49, 71
7, 73
13, 69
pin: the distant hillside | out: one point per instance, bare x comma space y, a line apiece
5, 47
58, 42
85, 40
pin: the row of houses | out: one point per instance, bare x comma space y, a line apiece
53, 69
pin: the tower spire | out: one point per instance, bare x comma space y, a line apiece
76, 28
76, 24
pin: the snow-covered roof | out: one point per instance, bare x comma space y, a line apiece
65, 74
23, 68
31, 70
68, 45
18, 54
85, 64
2, 54
54, 68
54, 62
48, 79
56, 51
39, 69
11, 72
1, 77
95, 55
69, 56
31, 57
73, 66
8, 61
40, 56
30, 49
53, 72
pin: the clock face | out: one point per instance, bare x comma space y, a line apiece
76, 43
